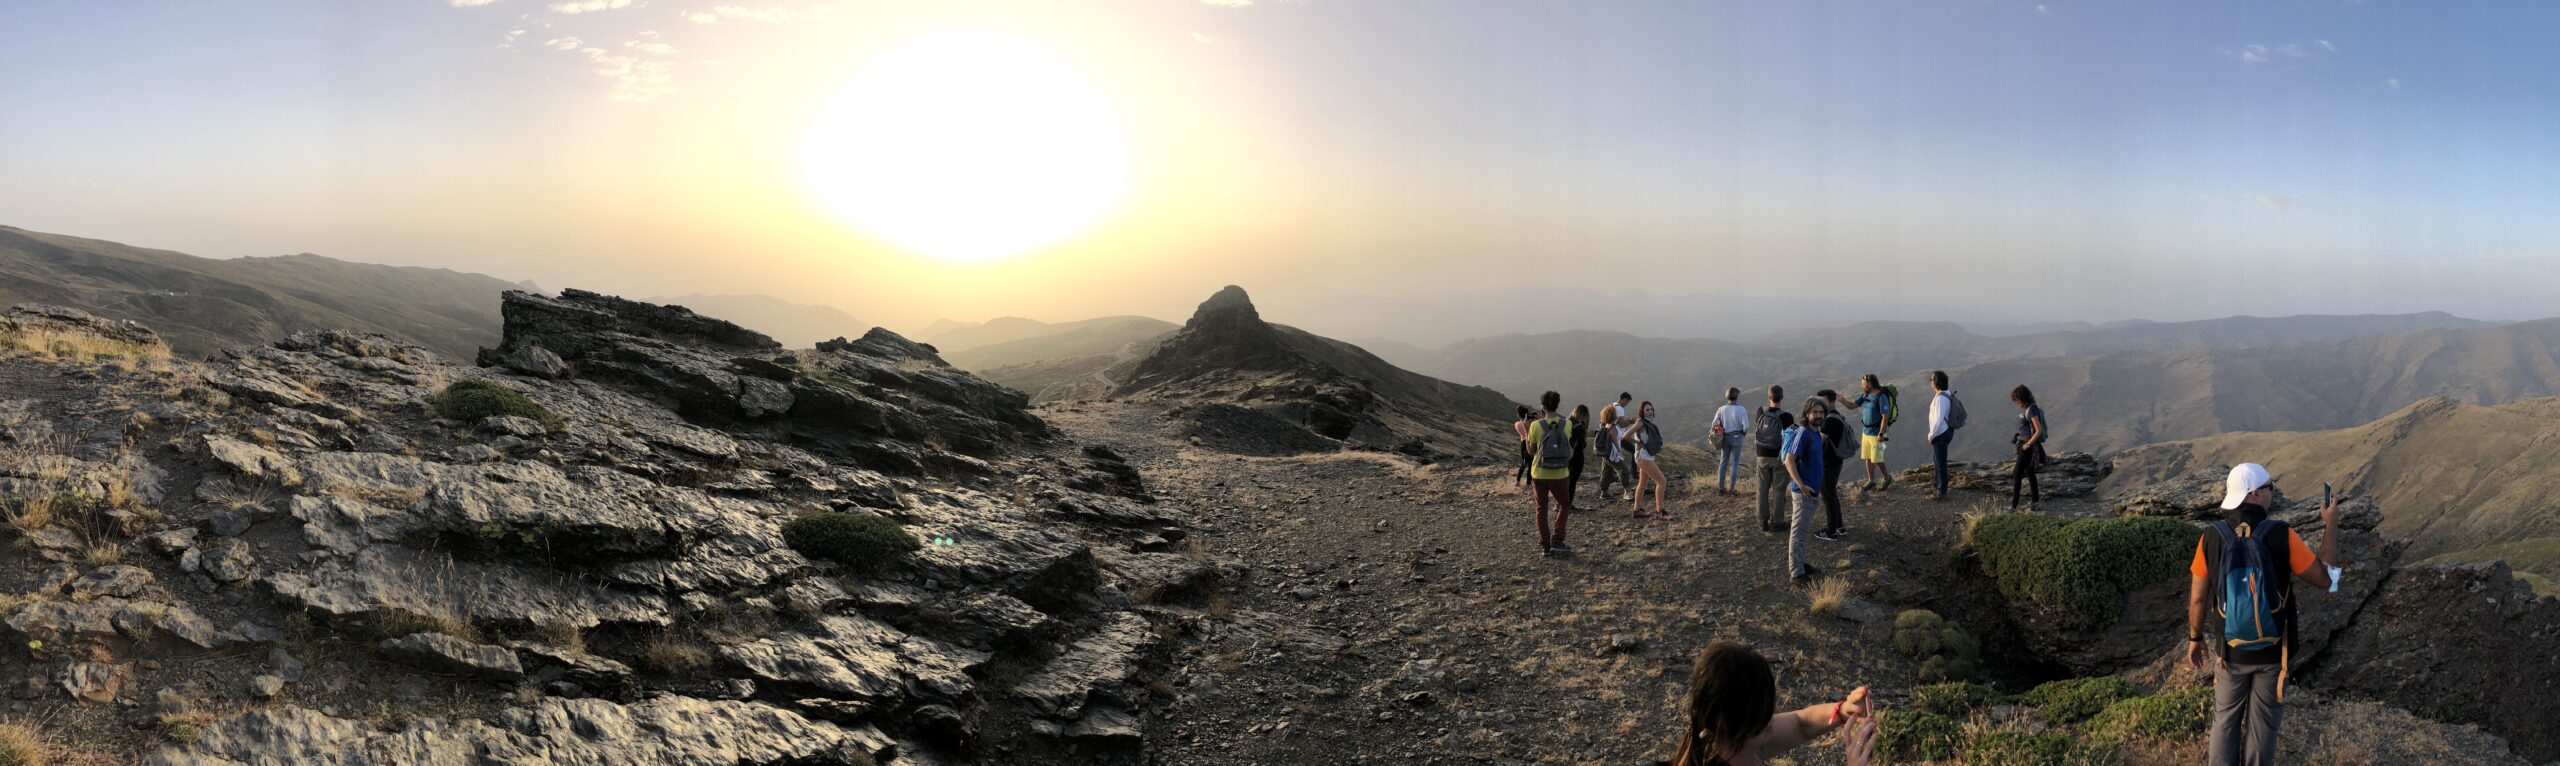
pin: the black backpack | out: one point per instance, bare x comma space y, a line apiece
1955, 412
1843, 445
1650, 438
1770, 438
1555, 444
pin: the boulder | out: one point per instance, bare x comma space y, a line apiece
848, 657
2454, 642
250, 461
95, 683
118, 580
1098, 666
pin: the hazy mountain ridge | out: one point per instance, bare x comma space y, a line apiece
1063, 340
2463, 481
797, 325
201, 305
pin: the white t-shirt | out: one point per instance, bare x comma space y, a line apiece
1735, 418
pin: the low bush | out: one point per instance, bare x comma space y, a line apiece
21, 745
1905, 736
471, 400
1955, 700
2174, 715
2081, 568
2075, 700
856, 540
2012, 747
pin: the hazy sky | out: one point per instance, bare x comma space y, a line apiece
2055, 160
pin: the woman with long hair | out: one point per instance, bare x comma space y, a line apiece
1734, 718
1520, 425
1647, 440
1581, 435
2030, 443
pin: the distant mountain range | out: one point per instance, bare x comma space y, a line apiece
2465, 482
795, 325
1014, 341
201, 305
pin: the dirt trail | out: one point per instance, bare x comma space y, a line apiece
1399, 612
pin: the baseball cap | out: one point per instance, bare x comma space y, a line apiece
2245, 478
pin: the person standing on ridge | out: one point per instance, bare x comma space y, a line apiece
2030, 443
1551, 465
1728, 428
1876, 409
1520, 426
1804, 456
1645, 440
1946, 415
1734, 718
2245, 567
1768, 438
1581, 434
1836, 453
1618, 469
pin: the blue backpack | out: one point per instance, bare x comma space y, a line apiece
2252, 599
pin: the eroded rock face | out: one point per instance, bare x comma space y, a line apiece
30, 319
2064, 475
665, 730
2455, 642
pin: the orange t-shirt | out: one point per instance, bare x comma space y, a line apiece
2300, 557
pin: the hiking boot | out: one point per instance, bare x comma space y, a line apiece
1806, 577
1559, 549
1888, 484
1827, 536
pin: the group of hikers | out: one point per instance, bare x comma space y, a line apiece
2243, 570
1800, 455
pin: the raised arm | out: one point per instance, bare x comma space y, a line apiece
1790, 728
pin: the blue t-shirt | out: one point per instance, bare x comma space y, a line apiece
1807, 450
1871, 412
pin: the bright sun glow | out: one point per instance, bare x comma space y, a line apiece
968, 148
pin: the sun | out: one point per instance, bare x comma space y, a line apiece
968, 147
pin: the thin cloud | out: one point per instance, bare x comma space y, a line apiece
650, 47
564, 43
2390, 83
471, 3
2260, 53
1202, 38
767, 14
589, 6
1228, 3
2277, 200
2040, 11
2324, 45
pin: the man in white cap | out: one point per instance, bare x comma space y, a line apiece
2246, 565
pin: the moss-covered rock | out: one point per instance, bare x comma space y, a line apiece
471, 400
2013, 747
1945, 651
2082, 568
2075, 700
2173, 715
1955, 700
1908, 736
858, 540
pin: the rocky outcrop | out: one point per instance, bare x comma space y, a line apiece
2455, 642
612, 579
37, 321
882, 399
2064, 475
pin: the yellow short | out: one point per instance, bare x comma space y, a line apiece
1871, 448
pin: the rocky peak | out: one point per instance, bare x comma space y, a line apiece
1229, 309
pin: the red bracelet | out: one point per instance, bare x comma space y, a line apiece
1835, 712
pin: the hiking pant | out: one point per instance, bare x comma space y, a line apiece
1831, 492
1800, 529
1562, 491
2025, 472
1522, 474
2245, 715
1729, 462
1609, 472
1938, 461
1572, 484
1773, 490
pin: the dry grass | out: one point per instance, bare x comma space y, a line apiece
672, 653
32, 513
1221, 609
235, 496
184, 727
392, 497
9, 602
1972, 518
562, 636
102, 553
395, 623
83, 346
22, 745
1828, 595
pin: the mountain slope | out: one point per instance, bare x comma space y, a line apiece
201, 305
796, 325
2464, 482
1063, 340
1227, 354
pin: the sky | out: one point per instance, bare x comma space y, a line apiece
2037, 161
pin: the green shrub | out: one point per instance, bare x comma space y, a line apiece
470, 400
2012, 747
1954, 700
2175, 715
855, 540
2081, 568
1945, 652
2075, 700
1905, 736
